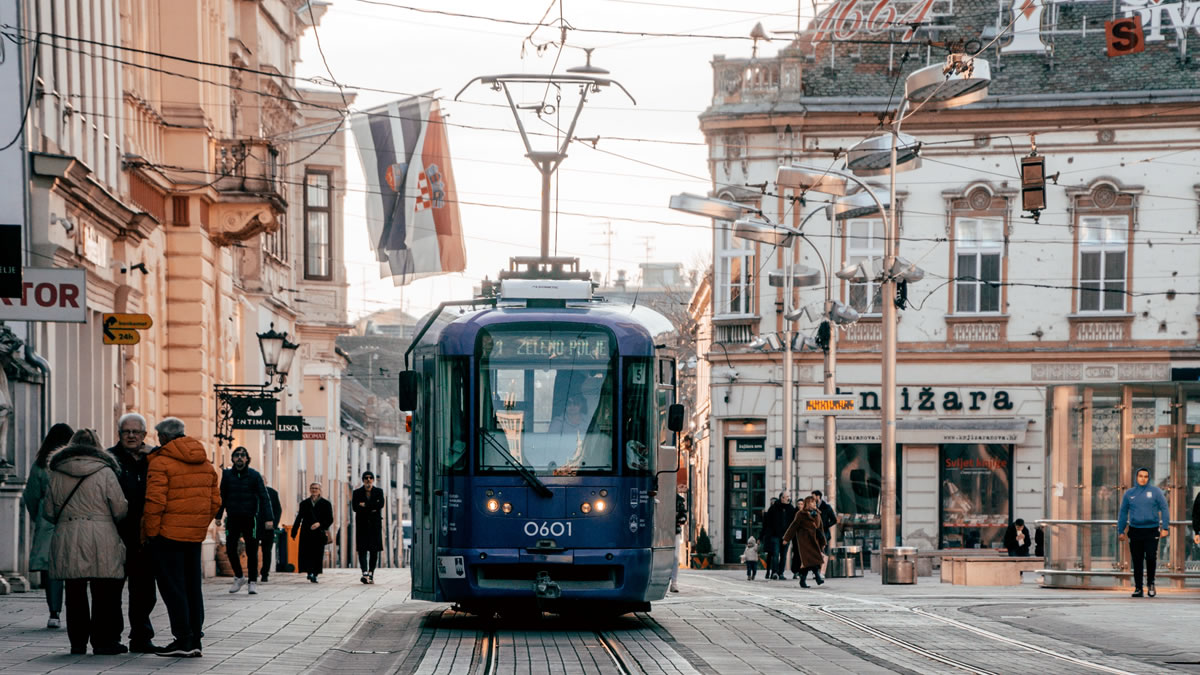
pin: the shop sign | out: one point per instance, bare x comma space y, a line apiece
253, 412
927, 399
314, 429
48, 294
751, 445
289, 428
930, 436
10, 261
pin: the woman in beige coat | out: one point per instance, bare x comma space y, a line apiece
85, 501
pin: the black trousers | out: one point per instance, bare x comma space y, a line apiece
236, 528
139, 572
267, 545
367, 560
177, 569
101, 622
1143, 549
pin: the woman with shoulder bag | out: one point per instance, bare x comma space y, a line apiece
85, 501
313, 520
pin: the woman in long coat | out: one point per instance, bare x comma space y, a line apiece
807, 541
368, 504
313, 520
85, 502
36, 489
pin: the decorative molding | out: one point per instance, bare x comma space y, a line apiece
864, 331
1100, 372
1143, 372
1056, 372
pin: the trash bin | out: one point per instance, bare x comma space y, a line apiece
899, 565
843, 561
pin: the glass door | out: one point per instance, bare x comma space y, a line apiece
744, 504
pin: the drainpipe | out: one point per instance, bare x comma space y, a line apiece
43, 365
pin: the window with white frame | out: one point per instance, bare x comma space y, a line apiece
978, 252
318, 239
864, 244
735, 272
1103, 258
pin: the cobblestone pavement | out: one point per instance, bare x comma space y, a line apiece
719, 623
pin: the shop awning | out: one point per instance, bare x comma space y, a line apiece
925, 431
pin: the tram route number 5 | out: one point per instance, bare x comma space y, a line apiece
547, 529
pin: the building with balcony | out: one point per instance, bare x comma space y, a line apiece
1099, 291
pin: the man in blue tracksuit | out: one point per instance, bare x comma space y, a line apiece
1144, 510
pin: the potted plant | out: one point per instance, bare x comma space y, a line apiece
702, 555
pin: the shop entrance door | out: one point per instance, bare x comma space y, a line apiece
745, 500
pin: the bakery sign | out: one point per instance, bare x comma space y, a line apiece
858, 19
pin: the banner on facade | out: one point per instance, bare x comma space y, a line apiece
48, 294
932, 432
253, 412
412, 205
289, 428
10, 261
314, 429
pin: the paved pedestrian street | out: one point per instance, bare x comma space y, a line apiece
718, 623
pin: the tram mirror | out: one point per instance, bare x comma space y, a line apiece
409, 380
675, 417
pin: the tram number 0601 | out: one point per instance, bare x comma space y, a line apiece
547, 529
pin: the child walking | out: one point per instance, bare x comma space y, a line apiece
750, 557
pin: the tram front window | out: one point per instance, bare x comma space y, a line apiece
546, 399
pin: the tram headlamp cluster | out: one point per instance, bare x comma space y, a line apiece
585, 507
493, 505
599, 506
507, 508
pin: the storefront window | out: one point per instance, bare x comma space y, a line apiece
860, 481
976, 494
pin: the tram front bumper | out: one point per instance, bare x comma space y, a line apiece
601, 574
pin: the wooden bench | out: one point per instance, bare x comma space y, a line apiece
987, 570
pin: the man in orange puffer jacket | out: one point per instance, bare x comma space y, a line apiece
181, 499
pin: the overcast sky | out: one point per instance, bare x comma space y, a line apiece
384, 46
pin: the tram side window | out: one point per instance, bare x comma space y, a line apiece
454, 395
637, 410
664, 396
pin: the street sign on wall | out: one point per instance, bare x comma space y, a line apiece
253, 412
122, 329
48, 294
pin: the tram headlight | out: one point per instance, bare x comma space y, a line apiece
507, 508
493, 505
585, 507
600, 506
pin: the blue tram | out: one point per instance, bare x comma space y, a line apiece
544, 454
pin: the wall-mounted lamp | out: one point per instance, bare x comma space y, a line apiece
65, 221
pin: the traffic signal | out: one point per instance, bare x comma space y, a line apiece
1033, 184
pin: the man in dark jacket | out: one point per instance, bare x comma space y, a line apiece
828, 518
266, 538
368, 504
776, 521
245, 501
1196, 520
130, 452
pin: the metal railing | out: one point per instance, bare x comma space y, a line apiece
1094, 555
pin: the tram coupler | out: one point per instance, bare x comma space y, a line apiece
545, 588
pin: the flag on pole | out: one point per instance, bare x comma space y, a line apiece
412, 206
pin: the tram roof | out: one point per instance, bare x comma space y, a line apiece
637, 328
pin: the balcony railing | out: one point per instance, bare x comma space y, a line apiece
757, 80
247, 165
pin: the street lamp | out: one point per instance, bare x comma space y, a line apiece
277, 353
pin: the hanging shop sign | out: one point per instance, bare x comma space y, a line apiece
253, 412
314, 428
10, 261
48, 294
289, 428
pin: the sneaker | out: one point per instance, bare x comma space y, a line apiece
52, 622
371, 578
363, 579
263, 578
238, 582
252, 588
144, 648
110, 650
674, 588
1150, 591
179, 649
1137, 593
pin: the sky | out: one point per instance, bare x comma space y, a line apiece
618, 186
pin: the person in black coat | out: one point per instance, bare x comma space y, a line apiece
828, 517
247, 506
1196, 520
776, 521
313, 520
130, 452
367, 503
266, 539
1017, 539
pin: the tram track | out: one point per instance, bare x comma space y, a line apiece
489, 652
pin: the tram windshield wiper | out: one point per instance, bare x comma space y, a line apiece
534, 482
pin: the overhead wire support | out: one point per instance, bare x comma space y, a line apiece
548, 161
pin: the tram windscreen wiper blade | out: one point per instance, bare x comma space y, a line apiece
535, 483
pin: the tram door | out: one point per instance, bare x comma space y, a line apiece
745, 499
424, 570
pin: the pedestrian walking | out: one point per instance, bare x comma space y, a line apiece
36, 488
775, 523
1144, 510
266, 539
85, 503
750, 557
807, 540
828, 518
1196, 520
247, 505
368, 504
131, 454
182, 498
1016, 539
313, 520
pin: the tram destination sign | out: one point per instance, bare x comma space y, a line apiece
829, 405
518, 346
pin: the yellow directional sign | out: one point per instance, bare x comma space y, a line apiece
128, 321
121, 336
